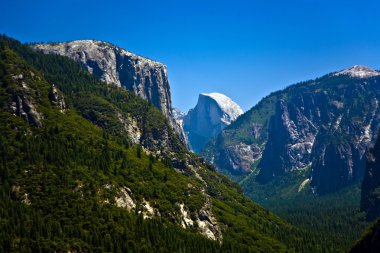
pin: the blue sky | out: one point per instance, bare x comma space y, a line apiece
244, 49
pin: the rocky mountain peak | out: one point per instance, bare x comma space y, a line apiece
324, 125
230, 109
358, 71
213, 112
146, 78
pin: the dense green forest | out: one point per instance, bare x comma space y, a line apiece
61, 172
334, 219
370, 241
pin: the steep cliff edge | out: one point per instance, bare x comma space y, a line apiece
146, 78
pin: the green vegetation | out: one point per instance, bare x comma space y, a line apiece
59, 178
333, 221
370, 240
59, 172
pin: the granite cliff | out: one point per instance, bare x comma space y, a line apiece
213, 112
146, 78
325, 125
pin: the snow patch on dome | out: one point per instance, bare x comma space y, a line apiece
229, 107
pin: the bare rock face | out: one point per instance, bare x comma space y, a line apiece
130, 126
345, 160
326, 125
207, 223
241, 157
23, 107
123, 199
23, 104
291, 138
326, 133
178, 117
56, 98
146, 78
213, 112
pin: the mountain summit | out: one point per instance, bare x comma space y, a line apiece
230, 109
213, 112
146, 78
359, 72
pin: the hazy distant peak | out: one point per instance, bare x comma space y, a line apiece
358, 71
177, 113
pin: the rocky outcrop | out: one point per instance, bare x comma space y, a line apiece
22, 106
212, 113
207, 223
240, 156
123, 199
130, 127
146, 78
56, 98
370, 199
178, 117
23, 103
204, 219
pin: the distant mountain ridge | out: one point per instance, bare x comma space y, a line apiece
326, 124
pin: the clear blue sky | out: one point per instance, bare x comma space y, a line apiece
244, 49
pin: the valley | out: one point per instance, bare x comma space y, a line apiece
92, 167
95, 159
307, 149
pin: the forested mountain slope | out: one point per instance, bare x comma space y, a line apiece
326, 124
370, 242
87, 166
300, 152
